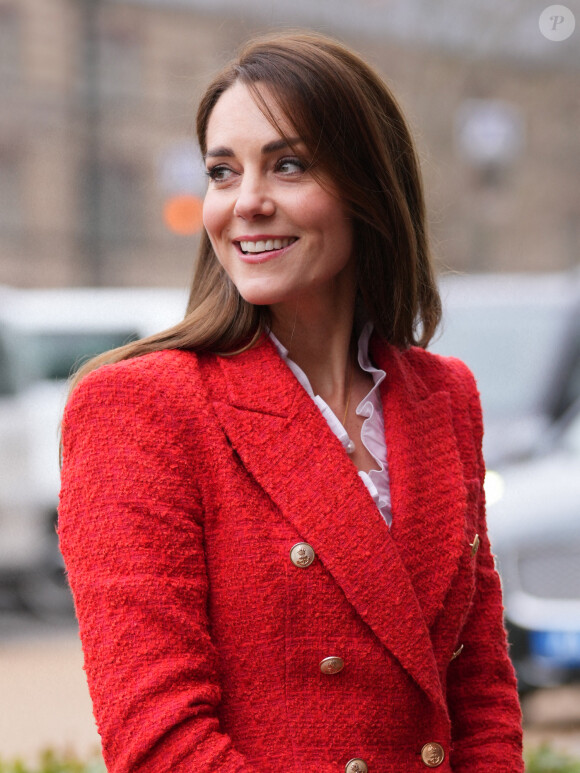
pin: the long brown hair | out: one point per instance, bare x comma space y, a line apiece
357, 136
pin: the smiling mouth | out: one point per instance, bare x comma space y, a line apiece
265, 245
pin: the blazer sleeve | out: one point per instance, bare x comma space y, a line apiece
482, 693
131, 533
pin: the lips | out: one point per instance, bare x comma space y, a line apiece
264, 244
263, 248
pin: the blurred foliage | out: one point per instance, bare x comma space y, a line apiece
53, 762
545, 759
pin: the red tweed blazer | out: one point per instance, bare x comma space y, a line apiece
187, 480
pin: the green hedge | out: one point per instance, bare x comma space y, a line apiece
53, 762
542, 760
545, 759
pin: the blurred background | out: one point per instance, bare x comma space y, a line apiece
100, 212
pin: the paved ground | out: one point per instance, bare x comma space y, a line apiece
44, 699
553, 716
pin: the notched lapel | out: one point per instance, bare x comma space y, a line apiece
287, 446
428, 491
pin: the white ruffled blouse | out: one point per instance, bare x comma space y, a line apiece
373, 429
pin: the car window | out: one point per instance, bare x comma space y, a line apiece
570, 380
6, 375
512, 350
571, 436
54, 355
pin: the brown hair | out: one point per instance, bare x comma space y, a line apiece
356, 134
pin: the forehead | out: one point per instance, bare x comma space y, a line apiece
237, 116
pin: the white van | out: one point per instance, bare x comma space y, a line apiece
520, 335
44, 336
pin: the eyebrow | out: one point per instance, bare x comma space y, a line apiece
269, 147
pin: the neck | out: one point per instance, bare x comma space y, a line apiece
319, 338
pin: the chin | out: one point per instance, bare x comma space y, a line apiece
262, 296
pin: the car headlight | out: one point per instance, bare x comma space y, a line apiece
494, 487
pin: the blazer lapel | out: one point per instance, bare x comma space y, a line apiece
428, 489
285, 443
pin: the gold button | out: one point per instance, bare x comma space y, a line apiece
331, 665
457, 653
356, 765
302, 554
432, 754
474, 545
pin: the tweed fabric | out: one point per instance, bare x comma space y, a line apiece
372, 434
186, 481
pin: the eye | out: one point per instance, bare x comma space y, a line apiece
291, 165
219, 173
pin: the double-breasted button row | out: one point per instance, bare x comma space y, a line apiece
356, 765
302, 554
432, 754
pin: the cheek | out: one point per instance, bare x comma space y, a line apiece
212, 216
336, 229
326, 214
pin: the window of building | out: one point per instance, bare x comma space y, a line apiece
10, 46
11, 214
119, 63
121, 203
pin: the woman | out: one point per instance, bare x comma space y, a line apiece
272, 515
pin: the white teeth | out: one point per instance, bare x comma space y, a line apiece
266, 246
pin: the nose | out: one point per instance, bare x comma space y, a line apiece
254, 200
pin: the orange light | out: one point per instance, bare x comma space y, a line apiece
182, 214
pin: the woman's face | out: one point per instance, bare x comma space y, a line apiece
276, 231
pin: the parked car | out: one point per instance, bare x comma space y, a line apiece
534, 526
520, 335
44, 335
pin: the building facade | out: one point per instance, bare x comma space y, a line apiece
97, 128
